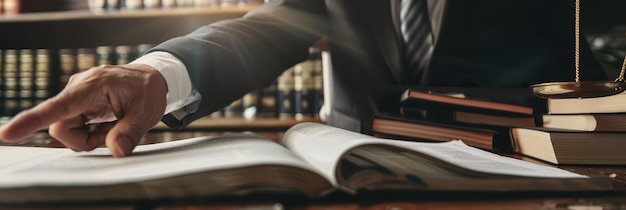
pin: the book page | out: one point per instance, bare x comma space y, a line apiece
322, 145
28, 166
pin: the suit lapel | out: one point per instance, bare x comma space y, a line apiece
436, 9
383, 26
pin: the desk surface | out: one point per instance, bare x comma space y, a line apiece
521, 201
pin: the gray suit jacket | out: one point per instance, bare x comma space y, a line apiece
486, 43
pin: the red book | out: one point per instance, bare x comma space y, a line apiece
504, 101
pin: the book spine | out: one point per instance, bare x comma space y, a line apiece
304, 92
97, 5
317, 89
67, 58
299, 92
132, 4
86, 58
42, 75
26, 83
184, 3
125, 54
113, 4
206, 3
307, 88
152, 4
285, 94
10, 82
105, 55
168, 3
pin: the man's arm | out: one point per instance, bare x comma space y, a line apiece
224, 60
228, 59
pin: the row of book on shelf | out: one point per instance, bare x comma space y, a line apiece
29, 76
10, 7
296, 94
559, 131
97, 5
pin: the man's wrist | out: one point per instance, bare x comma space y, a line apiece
173, 71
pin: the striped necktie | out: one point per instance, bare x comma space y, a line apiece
417, 34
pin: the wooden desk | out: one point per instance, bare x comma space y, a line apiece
389, 201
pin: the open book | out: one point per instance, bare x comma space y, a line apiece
313, 160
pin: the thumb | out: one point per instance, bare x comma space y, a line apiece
124, 136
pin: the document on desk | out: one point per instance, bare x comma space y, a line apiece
313, 160
20, 166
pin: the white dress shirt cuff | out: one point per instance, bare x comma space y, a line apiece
180, 91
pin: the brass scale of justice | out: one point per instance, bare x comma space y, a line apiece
577, 88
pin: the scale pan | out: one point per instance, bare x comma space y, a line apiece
584, 89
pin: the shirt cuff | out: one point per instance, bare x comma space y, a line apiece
180, 91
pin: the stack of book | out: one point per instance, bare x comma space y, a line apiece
560, 131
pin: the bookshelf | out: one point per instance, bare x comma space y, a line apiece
85, 32
84, 28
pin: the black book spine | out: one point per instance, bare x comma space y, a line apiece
317, 89
299, 93
285, 94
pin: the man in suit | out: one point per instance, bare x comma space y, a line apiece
487, 43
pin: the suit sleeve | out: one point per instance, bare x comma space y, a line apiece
230, 58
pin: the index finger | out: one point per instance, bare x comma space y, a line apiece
67, 104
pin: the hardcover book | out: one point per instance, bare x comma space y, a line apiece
569, 147
401, 127
502, 101
605, 104
614, 122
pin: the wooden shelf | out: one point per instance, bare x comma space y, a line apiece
76, 29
